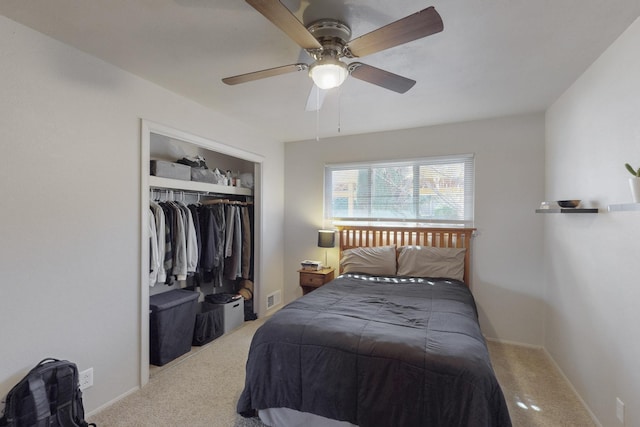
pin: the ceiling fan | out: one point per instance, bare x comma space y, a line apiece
328, 42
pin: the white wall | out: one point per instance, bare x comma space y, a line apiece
70, 185
507, 252
592, 262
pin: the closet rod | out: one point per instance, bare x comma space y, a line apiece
221, 198
226, 201
158, 193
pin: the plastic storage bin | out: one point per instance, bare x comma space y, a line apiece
209, 323
171, 324
165, 169
233, 314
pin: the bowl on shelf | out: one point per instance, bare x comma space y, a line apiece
568, 203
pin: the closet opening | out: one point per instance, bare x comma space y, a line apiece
206, 197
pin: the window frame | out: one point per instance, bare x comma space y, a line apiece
468, 160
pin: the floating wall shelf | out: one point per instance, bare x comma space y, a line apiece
568, 210
624, 207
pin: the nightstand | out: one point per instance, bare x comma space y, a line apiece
310, 280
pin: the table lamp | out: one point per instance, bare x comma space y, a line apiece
326, 239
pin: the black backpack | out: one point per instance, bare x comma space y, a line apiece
48, 396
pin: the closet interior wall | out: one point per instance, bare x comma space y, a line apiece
171, 149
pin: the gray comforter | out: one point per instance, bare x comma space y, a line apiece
377, 352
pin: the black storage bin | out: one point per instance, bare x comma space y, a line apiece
209, 323
171, 323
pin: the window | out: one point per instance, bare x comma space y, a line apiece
434, 190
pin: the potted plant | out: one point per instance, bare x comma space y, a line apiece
634, 182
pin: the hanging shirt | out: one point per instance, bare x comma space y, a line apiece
232, 265
246, 242
237, 247
161, 233
154, 261
220, 227
196, 224
168, 252
230, 220
179, 243
207, 234
191, 241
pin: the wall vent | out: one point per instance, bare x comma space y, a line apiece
274, 299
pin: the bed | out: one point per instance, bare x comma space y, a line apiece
393, 341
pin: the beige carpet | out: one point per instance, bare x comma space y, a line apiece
536, 393
202, 387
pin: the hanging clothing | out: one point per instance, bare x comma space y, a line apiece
233, 252
237, 244
196, 225
230, 221
212, 232
179, 244
181, 252
191, 240
246, 243
207, 236
210, 243
220, 226
161, 232
168, 253
154, 261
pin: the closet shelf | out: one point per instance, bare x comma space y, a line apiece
621, 207
176, 184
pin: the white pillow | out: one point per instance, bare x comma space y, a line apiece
376, 260
428, 261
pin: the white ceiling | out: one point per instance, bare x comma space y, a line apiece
494, 57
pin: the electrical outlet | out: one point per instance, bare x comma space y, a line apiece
85, 378
620, 410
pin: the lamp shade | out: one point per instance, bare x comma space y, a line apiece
328, 73
326, 238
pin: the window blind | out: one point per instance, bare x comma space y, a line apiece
432, 190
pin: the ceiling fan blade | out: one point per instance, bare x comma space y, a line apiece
409, 28
315, 99
380, 77
263, 74
282, 18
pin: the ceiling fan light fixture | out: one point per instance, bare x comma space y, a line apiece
328, 72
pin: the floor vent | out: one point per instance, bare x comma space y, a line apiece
273, 299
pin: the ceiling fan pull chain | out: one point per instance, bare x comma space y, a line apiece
339, 108
317, 89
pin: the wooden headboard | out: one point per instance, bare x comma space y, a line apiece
358, 236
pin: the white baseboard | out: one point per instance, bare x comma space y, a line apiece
111, 402
591, 414
519, 344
